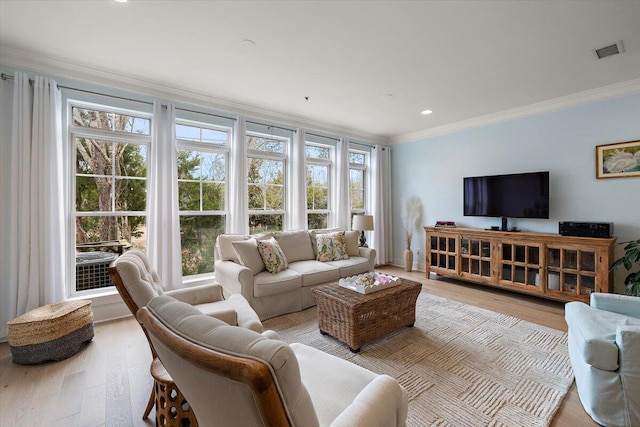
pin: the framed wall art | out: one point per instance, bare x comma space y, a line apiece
618, 160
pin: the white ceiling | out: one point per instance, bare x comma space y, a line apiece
461, 59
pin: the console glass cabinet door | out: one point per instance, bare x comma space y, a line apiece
521, 264
572, 271
475, 258
442, 253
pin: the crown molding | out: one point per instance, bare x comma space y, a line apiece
63, 68
619, 89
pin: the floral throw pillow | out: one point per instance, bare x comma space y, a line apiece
272, 255
331, 246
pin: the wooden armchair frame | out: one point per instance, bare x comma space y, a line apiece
254, 374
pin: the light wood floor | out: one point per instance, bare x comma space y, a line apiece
108, 383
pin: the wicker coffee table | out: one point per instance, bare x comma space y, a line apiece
356, 319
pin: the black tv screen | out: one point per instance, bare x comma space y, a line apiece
522, 195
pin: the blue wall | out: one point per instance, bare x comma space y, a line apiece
562, 142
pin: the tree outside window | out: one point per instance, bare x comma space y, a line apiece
266, 182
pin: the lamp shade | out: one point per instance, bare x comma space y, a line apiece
362, 222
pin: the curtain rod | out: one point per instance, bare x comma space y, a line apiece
323, 136
272, 126
10, 77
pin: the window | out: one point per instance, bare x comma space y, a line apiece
318, 173
358, 161
266, 181
109, 149
202, 159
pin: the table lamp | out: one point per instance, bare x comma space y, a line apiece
362, 223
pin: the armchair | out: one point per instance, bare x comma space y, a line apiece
604, 349
234, 376
138, 282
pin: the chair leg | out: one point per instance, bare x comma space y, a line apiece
152, 401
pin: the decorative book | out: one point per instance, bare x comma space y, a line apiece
445, 223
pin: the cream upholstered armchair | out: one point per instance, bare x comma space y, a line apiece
138, 282
234, 376
604, 348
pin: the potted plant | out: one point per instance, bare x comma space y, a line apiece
631, 256
411, 217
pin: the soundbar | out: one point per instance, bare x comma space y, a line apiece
586, 229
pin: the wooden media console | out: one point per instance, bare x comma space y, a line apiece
552, 266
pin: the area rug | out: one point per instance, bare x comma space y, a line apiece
461, 365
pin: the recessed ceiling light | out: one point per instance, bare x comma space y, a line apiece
121, 1
248, 43
387, 96
426, 112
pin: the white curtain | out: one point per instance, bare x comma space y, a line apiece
163, 244
37, 266
380, 202
298, 205
341, 200
238, 208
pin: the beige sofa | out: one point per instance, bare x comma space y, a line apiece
240, 269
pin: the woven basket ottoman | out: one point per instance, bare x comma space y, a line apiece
51, 332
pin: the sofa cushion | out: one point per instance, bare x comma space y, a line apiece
352, 239
594, 333
266, 283
272, 255
248, 255
331, 247
352, 266
226, 252
315, 272
296, 245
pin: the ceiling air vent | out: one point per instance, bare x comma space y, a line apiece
610, 50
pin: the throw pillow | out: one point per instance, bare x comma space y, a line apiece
296, 245
226, 252
248, 255
314, 233
353, 242
331, 247
272, 255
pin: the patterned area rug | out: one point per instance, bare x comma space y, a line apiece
462, 365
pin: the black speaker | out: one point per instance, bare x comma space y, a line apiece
585, 229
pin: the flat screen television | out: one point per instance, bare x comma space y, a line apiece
521, 195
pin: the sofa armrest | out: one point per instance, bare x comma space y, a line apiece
628, 340
383, 402
370, 254
235, 279
622, 304
198, 294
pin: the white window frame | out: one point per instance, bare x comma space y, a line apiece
268, 155
73, 132
321, 162
365, 181
184, 144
